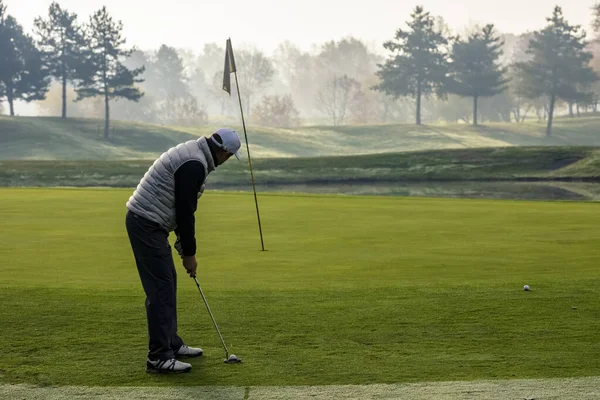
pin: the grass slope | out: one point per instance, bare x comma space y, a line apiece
514, 163
55, 138
351, 290
76, 139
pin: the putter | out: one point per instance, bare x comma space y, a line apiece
229, 359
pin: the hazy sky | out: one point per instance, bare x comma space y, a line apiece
266, 23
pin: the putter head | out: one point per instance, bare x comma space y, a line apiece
233, 359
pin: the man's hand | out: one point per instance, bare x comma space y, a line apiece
190, 264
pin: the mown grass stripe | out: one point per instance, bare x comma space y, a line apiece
586, 388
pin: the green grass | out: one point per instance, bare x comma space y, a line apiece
53, 138
48, 138
515, 163
352, 290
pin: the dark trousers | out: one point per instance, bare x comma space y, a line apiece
152, 251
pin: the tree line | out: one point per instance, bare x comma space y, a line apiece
427, 71
425, 62
90, 56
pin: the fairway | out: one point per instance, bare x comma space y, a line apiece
352, 291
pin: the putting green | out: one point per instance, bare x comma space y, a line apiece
352, 291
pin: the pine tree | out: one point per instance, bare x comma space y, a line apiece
474, 69
61, 41
103, 73
418, 66
22, 73
559, 66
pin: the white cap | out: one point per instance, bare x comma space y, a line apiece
231, 141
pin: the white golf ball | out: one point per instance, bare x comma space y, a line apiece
232, 356
526, 288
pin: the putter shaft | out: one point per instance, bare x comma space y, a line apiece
212, 318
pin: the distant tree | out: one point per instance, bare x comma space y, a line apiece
53, 100
298, 70
474, 69
169, 70
389, 109
595, 64
596, 20
188, 60
104, 73
337, 97
511, 44
61, 40
144, 109
285, 61
520, 105
211, 59
518, 53
255, 71
182, 110
218, 95
138, 59
359, 108
88, 108
349, 56
197, 82
453, 109
587, 86
277, 111
174, 102
580, 89
559, 63
497, 108
442, 27
22, 72
418, 66
199, 71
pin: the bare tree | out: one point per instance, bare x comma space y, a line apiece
182, 110
337, 96
277, 111
256, 71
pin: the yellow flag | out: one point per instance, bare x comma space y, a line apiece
229, 67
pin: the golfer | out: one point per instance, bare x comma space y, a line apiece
165, 200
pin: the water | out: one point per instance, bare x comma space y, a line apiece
481, 190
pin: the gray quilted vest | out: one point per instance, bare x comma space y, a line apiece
154, 197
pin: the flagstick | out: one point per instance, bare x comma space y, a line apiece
249, 160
